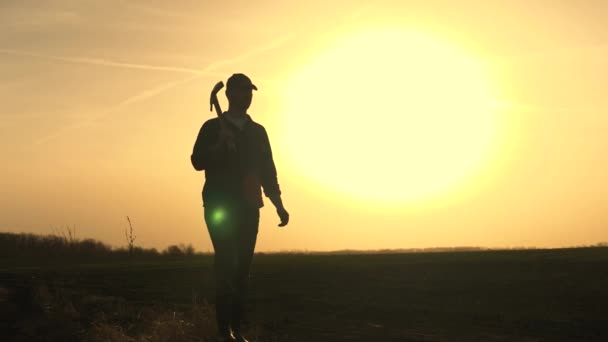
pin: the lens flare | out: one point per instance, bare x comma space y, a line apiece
218, 216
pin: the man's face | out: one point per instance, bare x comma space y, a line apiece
240, 97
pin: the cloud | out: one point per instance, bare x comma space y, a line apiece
100, 62
24, 17
209, 70
529, 107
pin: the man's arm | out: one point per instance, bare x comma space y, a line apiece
268, 178
207, 148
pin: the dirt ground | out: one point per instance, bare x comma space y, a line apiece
525, 295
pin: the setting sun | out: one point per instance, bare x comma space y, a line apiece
317, 170
393, 124
392, 116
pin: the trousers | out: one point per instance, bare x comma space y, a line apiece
233, 230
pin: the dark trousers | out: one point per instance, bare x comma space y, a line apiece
233, 230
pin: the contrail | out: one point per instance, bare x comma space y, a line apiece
208, 70
146, 94
261, 49
130, 100
99, 62
358, 13
528, 107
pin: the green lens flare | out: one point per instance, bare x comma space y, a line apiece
218, 216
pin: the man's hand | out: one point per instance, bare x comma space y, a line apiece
284, 216
278, 203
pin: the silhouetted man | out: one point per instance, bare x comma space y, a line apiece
237, 160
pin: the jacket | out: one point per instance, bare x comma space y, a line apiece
235, 177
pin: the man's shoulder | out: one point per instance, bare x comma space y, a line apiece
256, 125
211, 123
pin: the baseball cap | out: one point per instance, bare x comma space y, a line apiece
240, 81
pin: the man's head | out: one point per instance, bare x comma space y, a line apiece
239, 91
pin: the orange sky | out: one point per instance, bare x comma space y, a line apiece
101, 104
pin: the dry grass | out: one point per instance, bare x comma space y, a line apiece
38, 309
59, 315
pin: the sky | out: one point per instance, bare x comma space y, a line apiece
102, 101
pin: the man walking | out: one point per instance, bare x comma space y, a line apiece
237, 158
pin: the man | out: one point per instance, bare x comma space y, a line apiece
235, 153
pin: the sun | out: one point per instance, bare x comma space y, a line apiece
390, 116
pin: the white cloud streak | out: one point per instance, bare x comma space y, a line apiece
100, 62
209, 70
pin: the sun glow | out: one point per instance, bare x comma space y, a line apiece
391, 116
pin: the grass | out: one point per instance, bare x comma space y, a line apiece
38, 311
534, 295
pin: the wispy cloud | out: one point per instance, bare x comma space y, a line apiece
528, 107
101, 62
21, 16
360, 12
209, 70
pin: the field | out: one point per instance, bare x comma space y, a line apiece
511, 295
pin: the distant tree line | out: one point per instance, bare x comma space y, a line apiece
25, 245
66, 245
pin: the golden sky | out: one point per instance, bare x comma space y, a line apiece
102, 101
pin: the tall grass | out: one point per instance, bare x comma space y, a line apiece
38, 310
